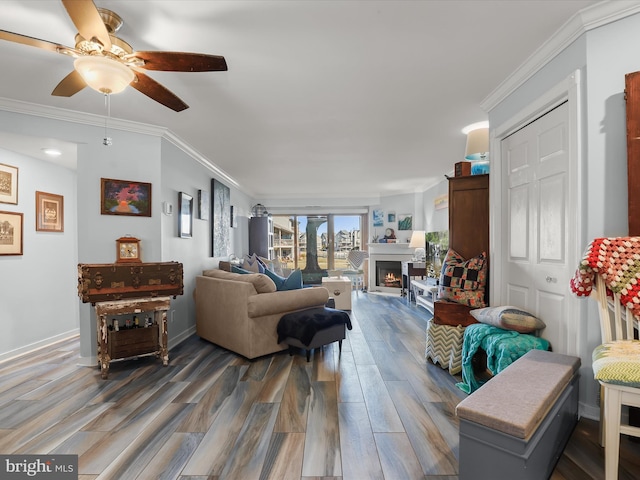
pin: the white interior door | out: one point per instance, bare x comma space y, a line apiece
536, 221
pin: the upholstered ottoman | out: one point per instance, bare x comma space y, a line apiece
444, 345
313, 327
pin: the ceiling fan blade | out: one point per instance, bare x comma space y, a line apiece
181, 61
33, 42
155, 91
70, 85
88, 21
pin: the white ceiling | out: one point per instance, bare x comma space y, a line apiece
322, 98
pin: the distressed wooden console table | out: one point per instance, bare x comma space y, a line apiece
125, 291
133, 342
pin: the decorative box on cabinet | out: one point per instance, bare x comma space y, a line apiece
261, 236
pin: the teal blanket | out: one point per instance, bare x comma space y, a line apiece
503, 347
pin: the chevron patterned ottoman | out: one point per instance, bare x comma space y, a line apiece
444, 345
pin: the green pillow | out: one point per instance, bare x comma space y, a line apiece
618, 363
508, 318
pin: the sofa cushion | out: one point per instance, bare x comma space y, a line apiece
292, 282
252, 264
508, 318
286, 301
261, 282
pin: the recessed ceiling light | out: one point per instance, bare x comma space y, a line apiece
52, 152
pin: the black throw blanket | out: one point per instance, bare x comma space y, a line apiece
304, 324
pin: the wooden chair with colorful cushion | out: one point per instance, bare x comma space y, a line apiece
609, 273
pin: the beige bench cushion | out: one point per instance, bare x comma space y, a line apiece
517, 399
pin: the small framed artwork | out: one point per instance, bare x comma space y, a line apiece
8, 184
49, 212
185, 216
125, 197
441, 202
405, 222
378, 218
11, 230
391, 217
204, 203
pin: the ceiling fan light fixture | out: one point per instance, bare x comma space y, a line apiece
104, 74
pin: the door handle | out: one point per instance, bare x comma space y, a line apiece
550, 279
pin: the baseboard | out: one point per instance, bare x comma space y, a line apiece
178, 339
592, 412
38, 345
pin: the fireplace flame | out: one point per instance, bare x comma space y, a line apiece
390, 280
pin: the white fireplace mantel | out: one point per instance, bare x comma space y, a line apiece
399, 252
389, 248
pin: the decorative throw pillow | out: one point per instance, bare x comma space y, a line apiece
463, 281
618, 362
509, 318
252, 264
463, 274
292, 282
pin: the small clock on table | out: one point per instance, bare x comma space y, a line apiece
127, 250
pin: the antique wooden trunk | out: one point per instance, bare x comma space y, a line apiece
116, 281
451, 313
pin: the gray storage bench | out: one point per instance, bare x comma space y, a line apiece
517, 424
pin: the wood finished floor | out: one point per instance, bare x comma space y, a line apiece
376, 411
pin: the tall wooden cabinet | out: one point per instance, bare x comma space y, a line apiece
261, 236
469, 216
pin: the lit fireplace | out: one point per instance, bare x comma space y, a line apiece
390, 280
388, 274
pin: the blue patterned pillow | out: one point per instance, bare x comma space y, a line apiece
292, 282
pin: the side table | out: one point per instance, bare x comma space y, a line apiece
340, 289
411, 269
125, 343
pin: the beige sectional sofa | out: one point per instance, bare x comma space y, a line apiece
240, 312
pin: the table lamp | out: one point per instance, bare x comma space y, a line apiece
418, 242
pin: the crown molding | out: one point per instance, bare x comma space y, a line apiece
198, 157
586, 19
55, 113
73, 116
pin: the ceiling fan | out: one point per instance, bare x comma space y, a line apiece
108, 64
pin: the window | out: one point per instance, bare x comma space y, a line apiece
317, 243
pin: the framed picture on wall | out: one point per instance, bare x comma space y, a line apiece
378, 218
11, 230
125, 197
185, 215
405, 222
8, 184
204, 202
49, 212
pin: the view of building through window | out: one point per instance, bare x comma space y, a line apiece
316, 241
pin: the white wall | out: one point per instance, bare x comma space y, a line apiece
604, 55
181, 174
436, 220
38, 289
410, 203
